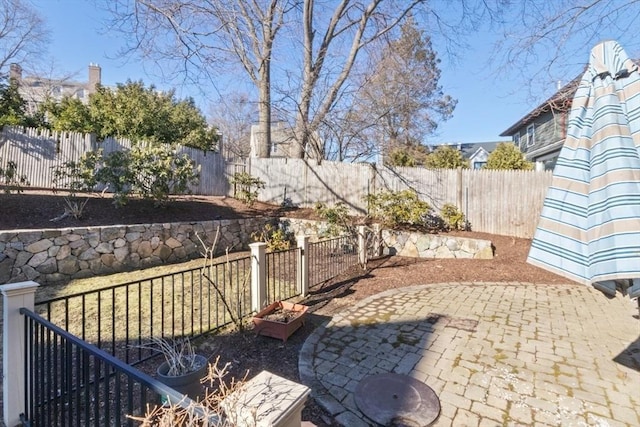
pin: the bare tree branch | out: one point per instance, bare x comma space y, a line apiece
23, 35
549, 41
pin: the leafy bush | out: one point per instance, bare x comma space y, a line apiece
276, 238
337, 218
446, 157
78, 176
508, 156
407, 155
159, 172
398, 208
150, 171
246, 187
454, 218
10, 179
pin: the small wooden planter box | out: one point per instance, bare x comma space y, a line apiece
278, 329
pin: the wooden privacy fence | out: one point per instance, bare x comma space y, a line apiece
38, 151
499, 202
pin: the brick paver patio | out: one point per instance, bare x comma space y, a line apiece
495, 353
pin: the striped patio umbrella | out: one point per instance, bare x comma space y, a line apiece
589, 229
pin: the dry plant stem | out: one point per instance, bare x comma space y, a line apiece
180, 358
208, 262
73, 208
207, 413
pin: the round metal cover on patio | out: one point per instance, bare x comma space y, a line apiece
397, 400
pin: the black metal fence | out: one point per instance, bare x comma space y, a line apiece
122, 318
282, 274
81, 347
72, 383
329, 258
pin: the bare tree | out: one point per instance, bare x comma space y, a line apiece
401, 96
337, 35
23, 34
233, 114
198, 37
354, 23
346, 137
549, 41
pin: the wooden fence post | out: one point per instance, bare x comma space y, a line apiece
303, 265
362, 245
377, 240
459, 189
15, 297
258, 275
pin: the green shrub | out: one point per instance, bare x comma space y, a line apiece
276, 238
150, 171
453, 217
507, 156
77, 176
158, 172
246, 187
10, 179
394, 209
337, 217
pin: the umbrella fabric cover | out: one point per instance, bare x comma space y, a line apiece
589, 229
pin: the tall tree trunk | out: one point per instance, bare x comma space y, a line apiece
263, 138
308, 81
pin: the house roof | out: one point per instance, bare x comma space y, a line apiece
469, 149
559, 101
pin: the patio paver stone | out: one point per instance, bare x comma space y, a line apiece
495, 353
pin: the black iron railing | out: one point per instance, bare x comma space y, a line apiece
81, 347
282, 275
72, 383
121, 318
329, 258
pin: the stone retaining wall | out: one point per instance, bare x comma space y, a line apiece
57, 255
410, 244
419, 245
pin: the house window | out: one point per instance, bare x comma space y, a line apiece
516, 139
530, 136
479, 165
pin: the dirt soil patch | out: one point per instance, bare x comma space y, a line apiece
245, 350
36, 209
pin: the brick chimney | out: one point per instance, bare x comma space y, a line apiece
15, 73
95, 76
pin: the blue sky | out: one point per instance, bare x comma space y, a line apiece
486, 105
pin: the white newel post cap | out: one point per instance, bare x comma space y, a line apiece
267, 400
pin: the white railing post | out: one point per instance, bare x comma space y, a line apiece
258, 275
15, 296
303, 265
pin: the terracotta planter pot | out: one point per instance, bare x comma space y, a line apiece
280, 329
188, 384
